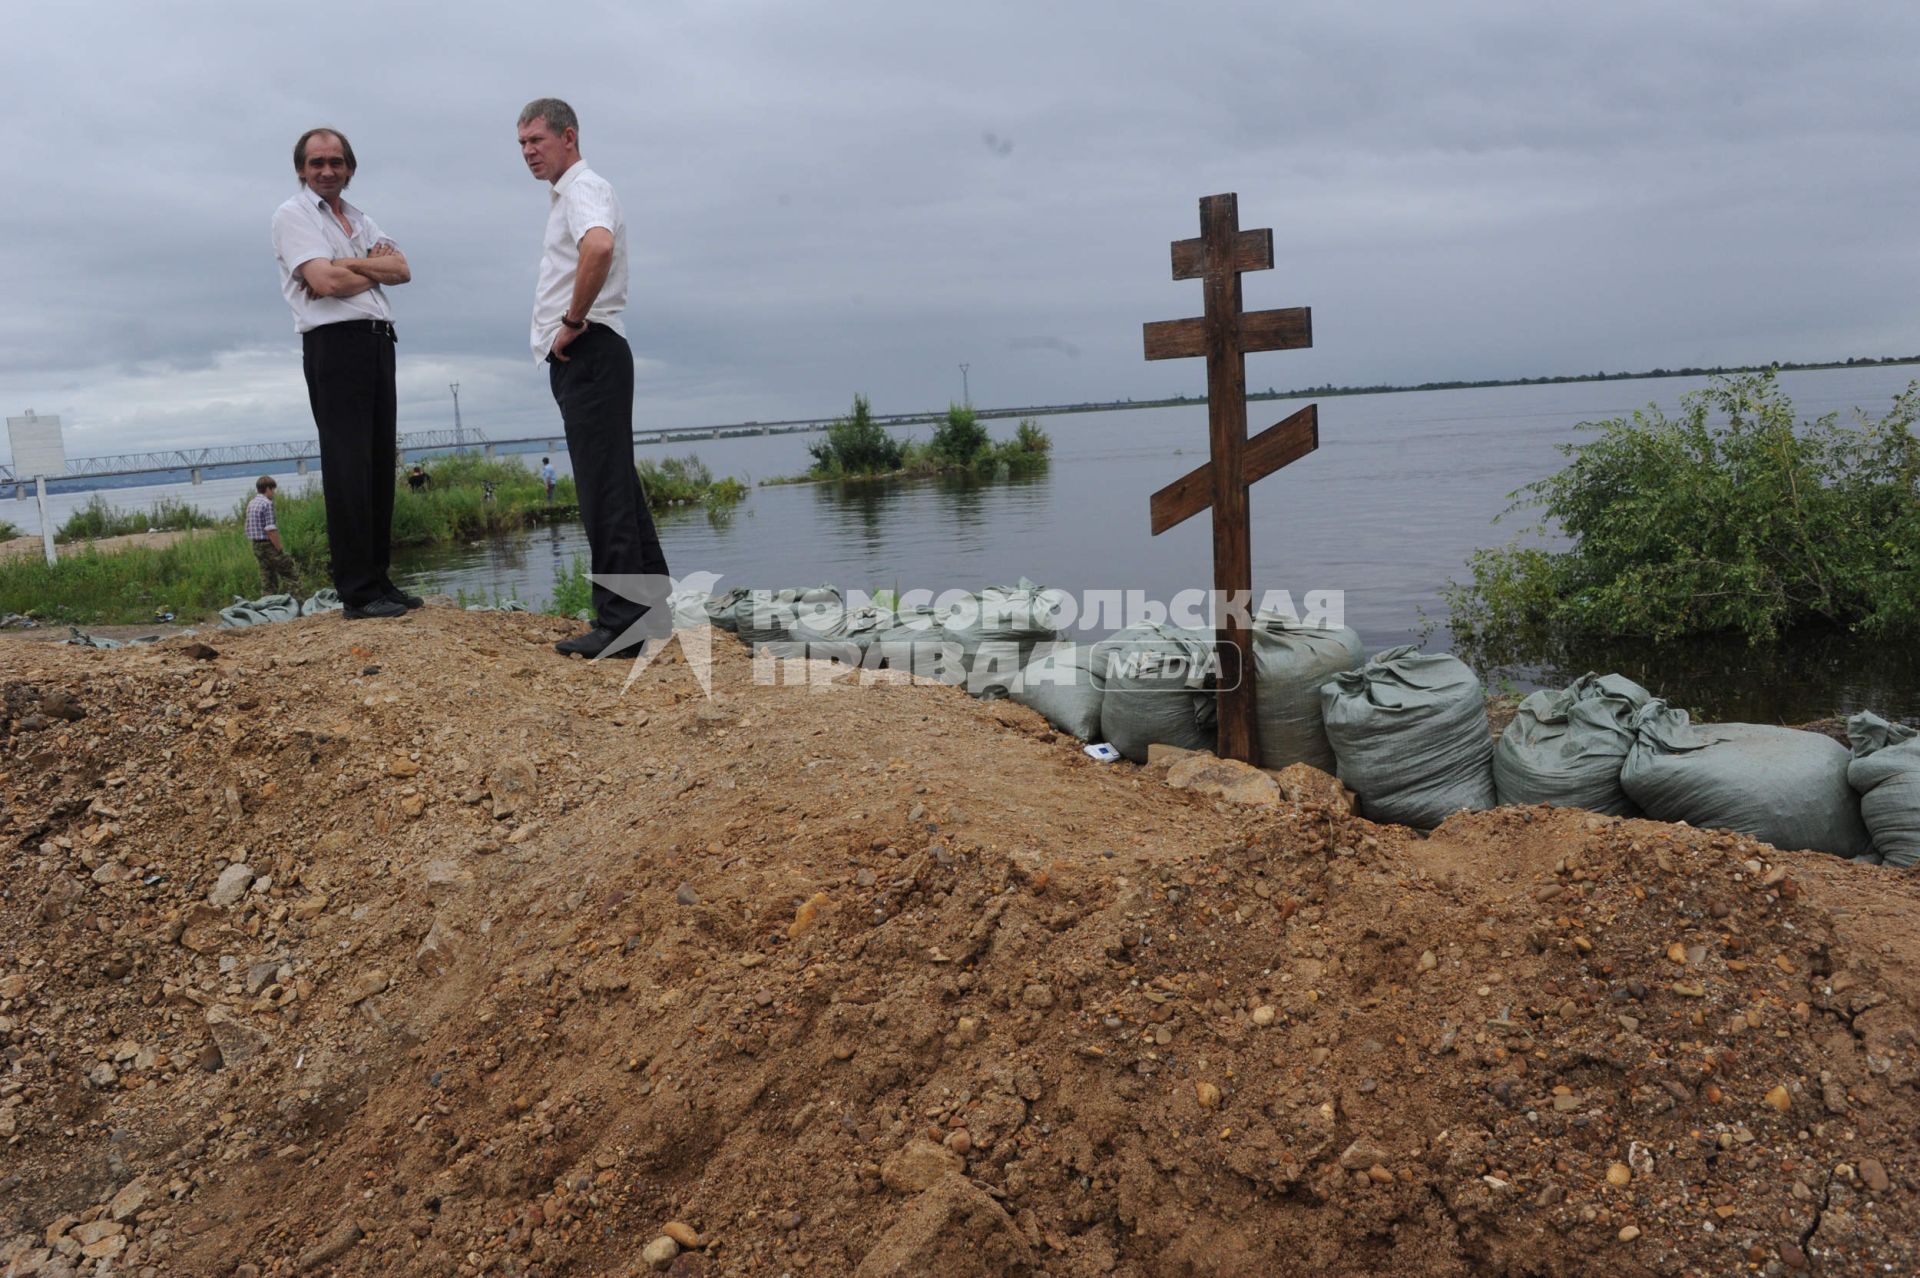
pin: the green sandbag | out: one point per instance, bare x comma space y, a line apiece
768, 616
1156, 687
913, 643
1781, 785
689, 608
998, 629
721, 609
1058, 683
1566, 748
845, 635
1885, 773
1410, 737
1290, 662
259, 612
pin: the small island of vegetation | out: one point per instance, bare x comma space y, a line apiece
858, 447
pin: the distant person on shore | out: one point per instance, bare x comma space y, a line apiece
278, 573
418, 480
578, 335
335, 268
548, 476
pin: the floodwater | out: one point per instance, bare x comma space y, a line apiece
1403, 488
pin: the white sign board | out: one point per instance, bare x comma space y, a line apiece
37, 447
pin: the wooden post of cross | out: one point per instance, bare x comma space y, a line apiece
1224, 335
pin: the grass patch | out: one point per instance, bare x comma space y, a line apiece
198, 576
99, 519
195, 576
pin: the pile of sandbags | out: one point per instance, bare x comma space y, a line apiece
1410, 736
1567, 747
1781, 785
1884, 771
272, 608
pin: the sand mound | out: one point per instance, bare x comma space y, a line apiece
412, 948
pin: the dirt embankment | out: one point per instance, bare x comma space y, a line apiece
411, 948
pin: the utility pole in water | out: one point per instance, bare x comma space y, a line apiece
459, 435
966, 399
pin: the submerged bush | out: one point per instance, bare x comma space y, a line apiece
1730, 518
958, 438
856, 445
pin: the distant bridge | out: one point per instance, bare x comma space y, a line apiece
197, 462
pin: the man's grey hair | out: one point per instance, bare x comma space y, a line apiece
558, 115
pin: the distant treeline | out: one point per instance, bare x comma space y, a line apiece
1717, 371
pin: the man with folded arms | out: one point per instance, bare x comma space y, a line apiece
578, 335
335, 268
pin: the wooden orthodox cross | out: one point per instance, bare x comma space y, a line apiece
1224, 335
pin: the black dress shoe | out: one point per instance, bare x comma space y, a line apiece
404, 599
597, 642
382, 607
589, 645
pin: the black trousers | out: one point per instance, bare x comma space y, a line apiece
349, 369
594, 389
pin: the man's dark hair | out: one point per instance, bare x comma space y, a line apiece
264, 484
545, 460
300, 148
558, 115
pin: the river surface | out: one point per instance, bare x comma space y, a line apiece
1403, 488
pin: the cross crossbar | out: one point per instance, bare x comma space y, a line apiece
1252, 251
1287, 329
1280, 444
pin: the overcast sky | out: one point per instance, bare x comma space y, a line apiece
845, 195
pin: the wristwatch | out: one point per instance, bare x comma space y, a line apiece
570, 322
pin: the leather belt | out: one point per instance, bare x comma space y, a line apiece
379, 328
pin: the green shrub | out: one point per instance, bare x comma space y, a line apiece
572, 591
1730, 518
856, 445
958, 439
98, 519
1031, 438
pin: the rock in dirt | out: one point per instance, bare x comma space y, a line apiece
1228, 779
437, 954
513, 787
335, 1245
1304, 783
659, 1253
238, 1041
954, 1230
230, 886
918, 1164
1362, 1154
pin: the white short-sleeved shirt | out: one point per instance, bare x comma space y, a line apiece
582, 200
305, 229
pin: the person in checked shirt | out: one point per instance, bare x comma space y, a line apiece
278, 573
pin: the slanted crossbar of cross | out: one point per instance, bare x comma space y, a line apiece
1225, 334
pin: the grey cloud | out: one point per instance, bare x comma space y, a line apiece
825, 199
